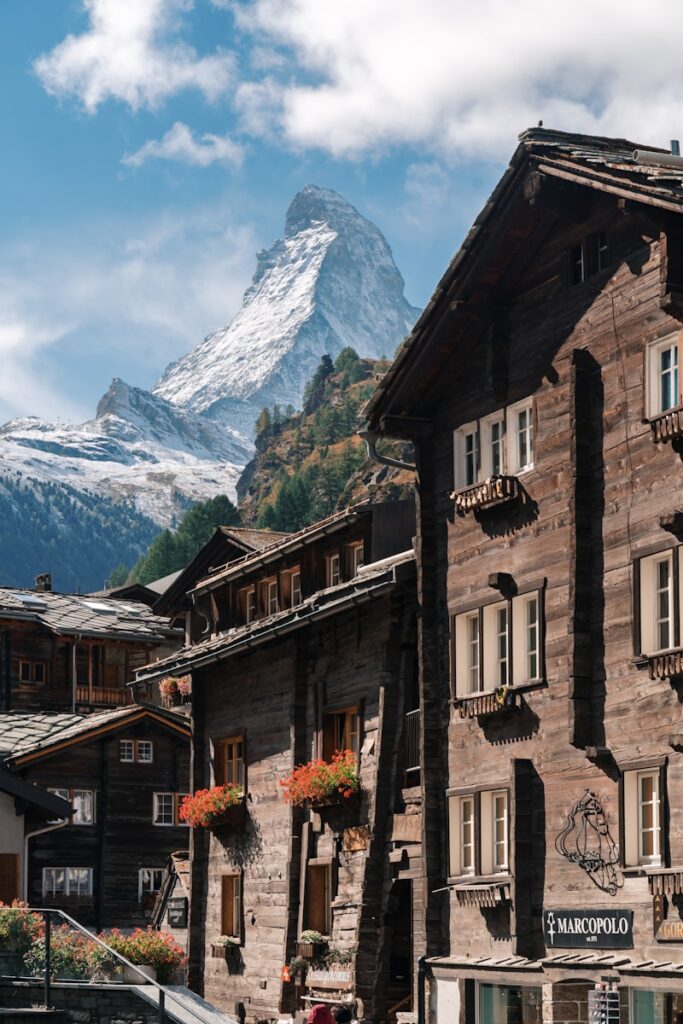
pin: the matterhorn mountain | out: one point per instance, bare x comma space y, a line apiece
331, 282
146, 457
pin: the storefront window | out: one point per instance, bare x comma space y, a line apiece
656, 1007
507, 1004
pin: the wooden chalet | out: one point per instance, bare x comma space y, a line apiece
24, 809
123, 774
542, 388
307, 647
64, 652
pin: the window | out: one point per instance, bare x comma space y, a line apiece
268, 593
508, 1004
340, 732
64, 794
33, 671
247, 604
521, 434
500, 644
136, 751
165, 808
643, 817
577, 264
356, 555
231, 906
149, 882
82, 803
663, 369
67, 881
589, 257
290, 587
658, 589
499, 444
332, 570
651, 1007
228, 762
478, 833
318, 901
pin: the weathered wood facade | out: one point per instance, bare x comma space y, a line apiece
124, 772
331, 645
549, 608
70, 652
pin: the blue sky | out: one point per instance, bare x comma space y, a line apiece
150, 147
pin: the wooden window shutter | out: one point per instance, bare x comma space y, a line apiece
318, 897
219, 762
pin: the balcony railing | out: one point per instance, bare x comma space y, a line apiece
103, 695
411, 741
668, 426
496, 490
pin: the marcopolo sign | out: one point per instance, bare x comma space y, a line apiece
588, 929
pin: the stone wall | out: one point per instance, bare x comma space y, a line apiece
81, 1004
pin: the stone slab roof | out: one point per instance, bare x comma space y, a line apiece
85, 615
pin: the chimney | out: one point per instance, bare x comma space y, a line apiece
44, 583
675, 147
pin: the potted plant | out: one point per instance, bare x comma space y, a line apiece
311, 945
170, 694
225, 947
157, 954
214, 808
184, 684
323, 783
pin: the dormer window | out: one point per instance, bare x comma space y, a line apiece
290, 587
269, 601
356, 556
247, 604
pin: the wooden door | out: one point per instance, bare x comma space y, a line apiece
9, 877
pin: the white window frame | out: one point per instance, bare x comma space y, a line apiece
458, 804
157, 803
144, 744
486, 428
142, 891
71, 883
356, 557
516, 466
271, 601
526, 638
127, 747
332, 569
460, 455
474, 846
648, 600
654, 374
63, 794
89, 794
468, 678
634, 855
494, 657
520, 655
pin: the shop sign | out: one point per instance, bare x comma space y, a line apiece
666, 929
177, 912
588, 929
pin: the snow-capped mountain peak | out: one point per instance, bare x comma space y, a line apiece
330, 282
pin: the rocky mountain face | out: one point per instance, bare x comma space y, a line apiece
329, 283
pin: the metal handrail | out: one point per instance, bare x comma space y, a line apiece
162, 989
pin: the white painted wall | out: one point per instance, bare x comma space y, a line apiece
11, 827
444, 1001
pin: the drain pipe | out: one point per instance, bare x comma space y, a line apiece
371, 438
421, 980
30, 835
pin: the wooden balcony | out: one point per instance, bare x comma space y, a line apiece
482, 894
668, 426
496, 490
486, 703
105, 696
666, 665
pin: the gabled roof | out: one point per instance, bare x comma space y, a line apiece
227, 543
46, 804
372, 582
613, 167
25, 736
85, 616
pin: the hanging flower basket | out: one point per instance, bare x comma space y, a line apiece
323, 783
215, 808
169, 692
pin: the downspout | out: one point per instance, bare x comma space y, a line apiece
24, 867
73, 673
371, 438
421, 979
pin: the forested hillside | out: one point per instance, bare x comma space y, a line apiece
79, 536
310, 463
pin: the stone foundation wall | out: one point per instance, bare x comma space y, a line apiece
81, 1004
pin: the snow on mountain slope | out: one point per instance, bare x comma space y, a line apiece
139, 448
329, 283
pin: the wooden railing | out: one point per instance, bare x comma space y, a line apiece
668, 426
494, 491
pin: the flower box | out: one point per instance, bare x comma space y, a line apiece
323, 783
217, 808
311, 950
230, 951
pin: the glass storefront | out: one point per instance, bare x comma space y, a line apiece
508, 1004
656, 1007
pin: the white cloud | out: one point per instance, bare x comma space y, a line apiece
117, 299
131, 52
461, 79
180, 144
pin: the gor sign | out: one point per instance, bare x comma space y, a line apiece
588, 929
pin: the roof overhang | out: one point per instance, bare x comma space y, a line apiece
34, 796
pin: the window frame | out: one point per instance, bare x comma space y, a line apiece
486, 426
461, 455
630, 815
332, 714
69, 794
236, 929
291, 594
177, 799
67, 890
325, 864
645, 640
482, 802
151, 892
246, 599
33, 664
353, 550
513, 458
220, 744
136, 748
516, 649
653, 374
332, 558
